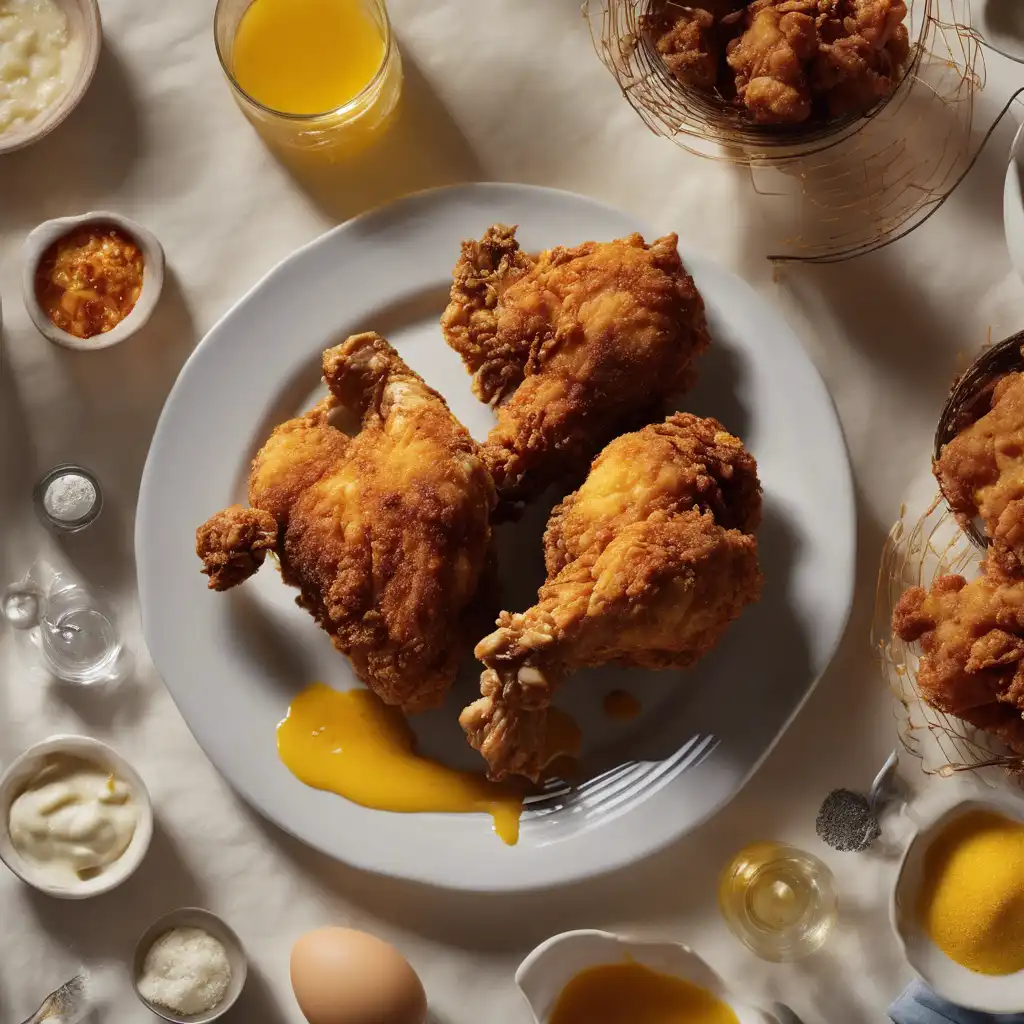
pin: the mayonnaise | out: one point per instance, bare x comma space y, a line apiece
73, 820
33, 58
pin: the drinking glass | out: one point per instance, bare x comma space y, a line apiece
78, 637
778, 901
346, 128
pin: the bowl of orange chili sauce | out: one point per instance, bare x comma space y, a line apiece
91, 281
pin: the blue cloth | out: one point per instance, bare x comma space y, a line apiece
920, 1005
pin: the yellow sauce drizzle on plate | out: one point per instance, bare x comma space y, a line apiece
630, 993
352, 744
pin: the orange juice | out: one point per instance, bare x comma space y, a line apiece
306, 56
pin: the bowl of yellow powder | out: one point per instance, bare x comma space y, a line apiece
958, 903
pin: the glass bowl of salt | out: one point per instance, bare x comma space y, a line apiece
68, 498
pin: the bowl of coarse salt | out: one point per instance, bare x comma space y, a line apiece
189, 967
68, 499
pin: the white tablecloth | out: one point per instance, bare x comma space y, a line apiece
500, 90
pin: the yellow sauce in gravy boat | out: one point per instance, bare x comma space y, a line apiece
564, 977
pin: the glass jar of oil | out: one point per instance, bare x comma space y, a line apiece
778, 901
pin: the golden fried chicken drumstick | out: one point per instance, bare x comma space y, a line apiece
648, 562
385, 533
972, 639
572, 346
981, 473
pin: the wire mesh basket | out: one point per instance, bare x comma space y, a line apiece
837, 188
916, 553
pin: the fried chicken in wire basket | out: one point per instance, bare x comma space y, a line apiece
972, 641
785, 61
981, 473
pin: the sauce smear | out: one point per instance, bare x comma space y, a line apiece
352, 744
630, 993
621, 705
306, 56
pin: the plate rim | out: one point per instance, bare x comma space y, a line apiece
566, 874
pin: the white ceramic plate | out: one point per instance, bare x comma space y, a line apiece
233, 661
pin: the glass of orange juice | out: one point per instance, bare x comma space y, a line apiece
310, 74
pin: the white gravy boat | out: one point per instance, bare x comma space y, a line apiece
549, 968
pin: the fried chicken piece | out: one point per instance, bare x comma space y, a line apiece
233, 544
878, 22
684, 463
385, 533
850, 53
981, 473
853, 72
972, 639
689, 38
791, 60
770, 60
648, 562
572, 346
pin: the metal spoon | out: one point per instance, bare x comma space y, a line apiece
785, 1014
69, 1004
886, 786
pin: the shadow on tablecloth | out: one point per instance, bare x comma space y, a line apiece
421, 148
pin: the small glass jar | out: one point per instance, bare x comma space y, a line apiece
50, 507
780, 902
78, 636
334, 132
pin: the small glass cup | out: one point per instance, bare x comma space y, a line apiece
344, 129
78, 636
780, 902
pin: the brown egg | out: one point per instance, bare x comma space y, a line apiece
341, 976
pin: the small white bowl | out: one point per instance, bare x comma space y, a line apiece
554, 963
24, 768
85, 34
47, 233
194, 917
984, 992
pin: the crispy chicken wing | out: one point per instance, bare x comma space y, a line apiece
981, 473
648, 562
572, 346
972, 638
385, 533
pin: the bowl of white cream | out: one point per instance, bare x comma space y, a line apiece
49, 50
75, 818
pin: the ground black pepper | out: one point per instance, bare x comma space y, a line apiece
846, 821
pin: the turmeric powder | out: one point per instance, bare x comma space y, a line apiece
971, 899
